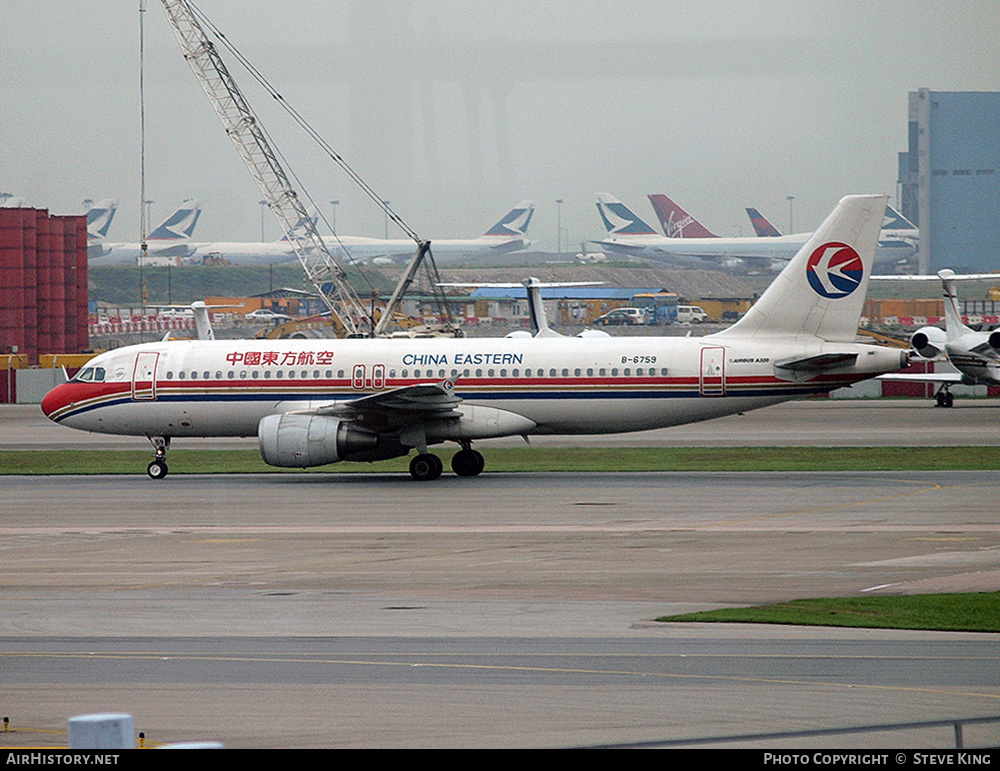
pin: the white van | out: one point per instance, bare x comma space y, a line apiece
691, 314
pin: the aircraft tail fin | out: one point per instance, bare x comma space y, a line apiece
302, 222
821, 291
676, 222
180, 224
99, 217
619, 220
953, 324
893, 220
761, 225
515, 222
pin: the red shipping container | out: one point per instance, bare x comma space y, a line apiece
12, 318
10, 278
16, 218
8, 392
11, 297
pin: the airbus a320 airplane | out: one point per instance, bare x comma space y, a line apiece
314, 402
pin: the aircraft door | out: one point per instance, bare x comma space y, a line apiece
712, 380
144, 376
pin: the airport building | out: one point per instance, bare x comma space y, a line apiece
949, 179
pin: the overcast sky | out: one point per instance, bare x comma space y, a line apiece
455, 110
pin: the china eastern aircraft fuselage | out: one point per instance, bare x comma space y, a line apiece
312, 402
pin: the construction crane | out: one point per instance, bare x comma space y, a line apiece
246, 132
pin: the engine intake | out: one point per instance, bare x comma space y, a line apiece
301, 441
928, 342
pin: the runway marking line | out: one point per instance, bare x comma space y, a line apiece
320, 659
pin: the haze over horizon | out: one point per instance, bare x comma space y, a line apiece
455, 110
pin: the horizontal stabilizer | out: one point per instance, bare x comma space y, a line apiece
804, 368
922, 377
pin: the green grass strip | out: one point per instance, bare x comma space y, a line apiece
939, 612
520, 459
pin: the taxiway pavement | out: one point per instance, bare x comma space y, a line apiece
508, 610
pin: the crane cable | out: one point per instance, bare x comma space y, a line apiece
306, 126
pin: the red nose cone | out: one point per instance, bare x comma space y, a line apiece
53, 400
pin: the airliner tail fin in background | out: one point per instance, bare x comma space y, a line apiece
180, 224
893, 220
820, 293
515, 222
761, 225
676, 222
619, 220
99, 217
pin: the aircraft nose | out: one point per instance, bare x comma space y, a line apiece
53, 400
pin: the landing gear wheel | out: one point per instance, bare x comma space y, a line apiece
426, 467
157, 469
467, 463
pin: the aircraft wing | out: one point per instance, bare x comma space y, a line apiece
398, 407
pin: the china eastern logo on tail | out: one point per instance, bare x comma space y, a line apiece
834, 270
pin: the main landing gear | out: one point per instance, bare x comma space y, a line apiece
157, 469
944, 396
465, 463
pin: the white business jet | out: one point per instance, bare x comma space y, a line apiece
976, 355
314, 402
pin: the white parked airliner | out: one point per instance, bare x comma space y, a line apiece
313, 402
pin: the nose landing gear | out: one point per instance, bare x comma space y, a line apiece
157, 468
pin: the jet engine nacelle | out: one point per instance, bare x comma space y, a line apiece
928, 342
994, 340
301, 441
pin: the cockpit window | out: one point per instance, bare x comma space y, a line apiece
90, 375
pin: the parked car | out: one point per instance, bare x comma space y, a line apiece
263, 314
691, 314
629, 316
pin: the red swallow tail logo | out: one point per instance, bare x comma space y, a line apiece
834, 270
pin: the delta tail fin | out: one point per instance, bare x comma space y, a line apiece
676, 222
761, 225
821, 291
619, 220
180, 224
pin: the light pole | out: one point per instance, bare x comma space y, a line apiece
262, 205
791, 228
333, 223
559, 203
